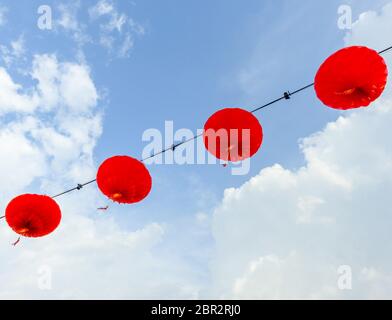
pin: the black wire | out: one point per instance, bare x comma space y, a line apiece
78, 187
2, 217
172, 148
286, 96
385, 50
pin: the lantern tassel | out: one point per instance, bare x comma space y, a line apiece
16, 242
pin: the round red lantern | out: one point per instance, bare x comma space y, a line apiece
32, 215
124, 179
352, 77
233, 134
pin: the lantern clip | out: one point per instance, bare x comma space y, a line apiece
174, 146
79, 186
287, 95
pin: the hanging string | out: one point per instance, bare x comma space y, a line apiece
286, 96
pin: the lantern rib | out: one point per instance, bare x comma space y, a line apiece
286, 95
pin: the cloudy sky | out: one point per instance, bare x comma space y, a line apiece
317, 194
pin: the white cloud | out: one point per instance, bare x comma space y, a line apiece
88, 258
18, 46
108, 27
370, 29
79, 98
126, 46
47, 136
43, 123
101, 8
271, 277
11, 100
56, 84
284, 233
68, 21
14, 52
117, 30
116, 22
15, 172
55, 88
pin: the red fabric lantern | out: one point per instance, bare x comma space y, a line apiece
32, 215
124, 179
233, 134
352, 77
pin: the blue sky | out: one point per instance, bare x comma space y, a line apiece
187, 60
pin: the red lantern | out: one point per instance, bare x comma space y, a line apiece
352, 77
233, 134
124, 179
32, 215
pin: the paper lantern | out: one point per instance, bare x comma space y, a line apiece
124, 179
233, 134
352, 77
32, 215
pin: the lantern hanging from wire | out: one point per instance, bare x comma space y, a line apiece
32, 215
350, 78
124, 179
233, 134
